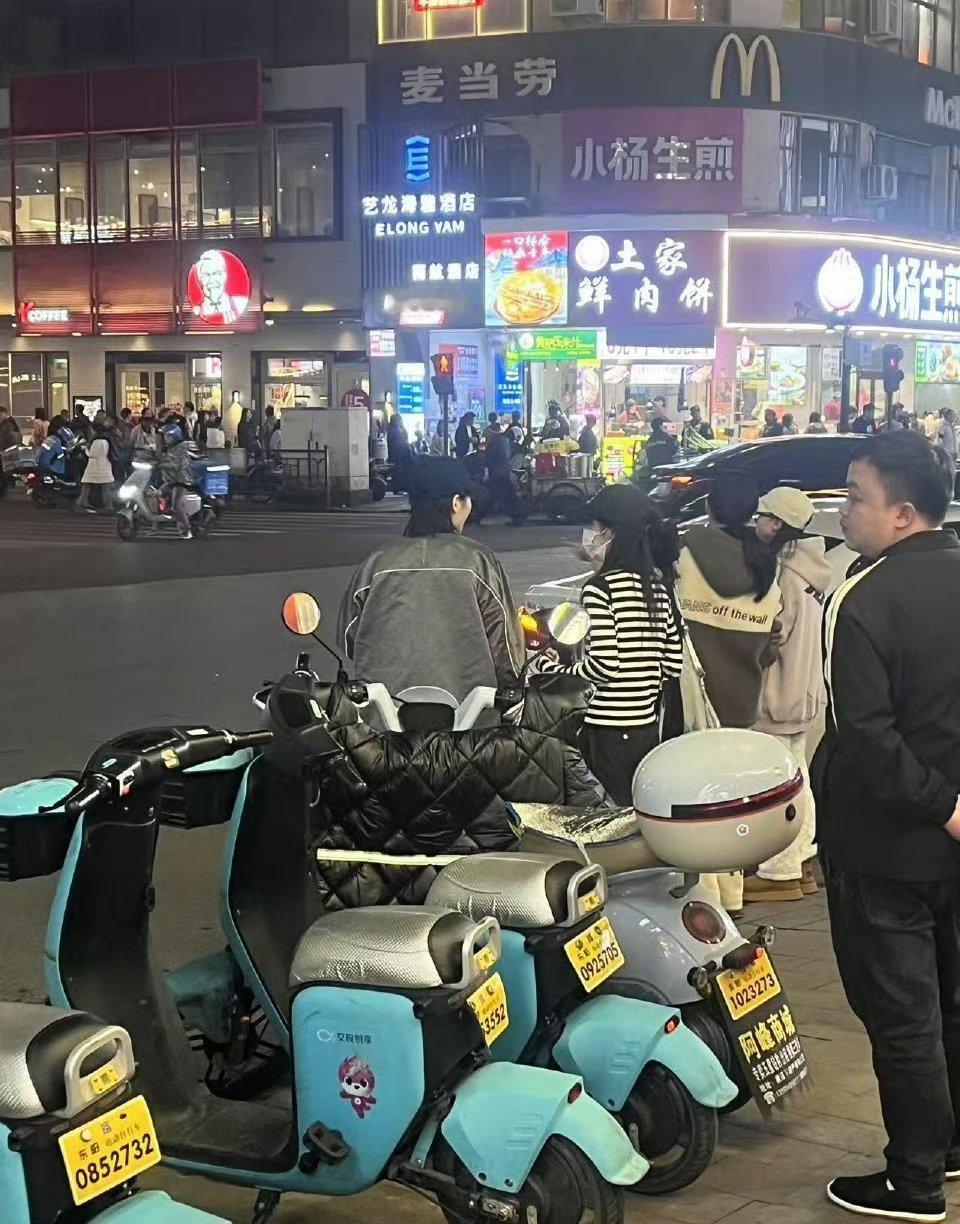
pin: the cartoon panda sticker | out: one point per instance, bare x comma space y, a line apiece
357, 1082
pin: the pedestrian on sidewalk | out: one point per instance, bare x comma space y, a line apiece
443, 596
98, 474
793, 696
635, 645
729, 597
886, 780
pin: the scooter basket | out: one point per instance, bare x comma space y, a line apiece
204, 795
33, 843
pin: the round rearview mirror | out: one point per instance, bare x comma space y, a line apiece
569, 624
301, 614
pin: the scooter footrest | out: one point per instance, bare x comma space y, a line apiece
325, 1147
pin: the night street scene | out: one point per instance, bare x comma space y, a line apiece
480, 606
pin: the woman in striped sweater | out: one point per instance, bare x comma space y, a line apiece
635, 644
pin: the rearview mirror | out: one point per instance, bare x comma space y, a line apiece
301, 614
569, 624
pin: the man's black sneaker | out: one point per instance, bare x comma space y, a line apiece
953, 1168
876, 1196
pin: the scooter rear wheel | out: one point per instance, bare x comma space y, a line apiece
674, 1132
564, 1187
698, 1017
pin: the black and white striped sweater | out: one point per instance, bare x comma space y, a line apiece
631, 650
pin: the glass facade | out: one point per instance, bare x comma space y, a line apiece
281, 182
32, 383
399, 22
818, 166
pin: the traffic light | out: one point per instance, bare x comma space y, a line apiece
442, 374
893, 376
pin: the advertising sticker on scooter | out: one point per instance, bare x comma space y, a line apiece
757, 1016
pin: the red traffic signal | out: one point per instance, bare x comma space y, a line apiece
893, 376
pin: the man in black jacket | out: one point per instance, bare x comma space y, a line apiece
887, 780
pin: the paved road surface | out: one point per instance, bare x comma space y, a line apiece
98, 636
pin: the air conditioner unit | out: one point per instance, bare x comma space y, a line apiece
880, 183
886, 20
576, 8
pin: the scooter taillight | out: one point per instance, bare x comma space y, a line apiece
704, 923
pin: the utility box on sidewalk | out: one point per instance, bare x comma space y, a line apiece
346, 434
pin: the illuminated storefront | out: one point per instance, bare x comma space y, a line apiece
791, 300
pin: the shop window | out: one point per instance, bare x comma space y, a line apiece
6, 196
833, 17
219, 183
56, 385
35, 170
818, 166
398, 22
26, 384
111, 170
953, 215
713, 11
150, 186
914, 164
296, 382
306, 195
74, 203
928, 32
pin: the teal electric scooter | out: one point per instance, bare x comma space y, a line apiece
74, 1131
390, 1014
559, 965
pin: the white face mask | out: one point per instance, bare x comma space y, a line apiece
595, 544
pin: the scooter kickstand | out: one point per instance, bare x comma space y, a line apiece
267, 1203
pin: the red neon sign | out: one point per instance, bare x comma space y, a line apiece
432, 6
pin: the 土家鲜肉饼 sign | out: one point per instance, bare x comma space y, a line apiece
619, 278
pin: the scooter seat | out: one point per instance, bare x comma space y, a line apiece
35, 1046
396, 947
522, 891
611, 837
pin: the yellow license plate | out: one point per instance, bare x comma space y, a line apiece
744, 990
108, 1151
489, 1005
595, 954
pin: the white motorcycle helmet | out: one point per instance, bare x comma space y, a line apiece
720, 800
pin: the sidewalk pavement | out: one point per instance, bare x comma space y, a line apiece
764, 1171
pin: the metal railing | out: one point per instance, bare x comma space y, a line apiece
306, 475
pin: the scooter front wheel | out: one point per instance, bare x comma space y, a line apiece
563, 1187
674, 1132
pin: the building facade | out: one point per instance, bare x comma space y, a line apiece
726, 202
178, 207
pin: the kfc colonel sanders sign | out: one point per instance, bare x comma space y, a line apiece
218, 288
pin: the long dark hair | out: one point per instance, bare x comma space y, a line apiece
733, 501
647, 547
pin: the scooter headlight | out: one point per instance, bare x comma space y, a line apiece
140, 466
704, 923
127, 492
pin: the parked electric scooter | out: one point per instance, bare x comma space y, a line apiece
390, 1015
74, 1132
675, 1086
142, 505
675, 937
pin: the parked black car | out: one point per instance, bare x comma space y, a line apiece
815, 463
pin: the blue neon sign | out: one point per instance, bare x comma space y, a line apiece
418, 159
